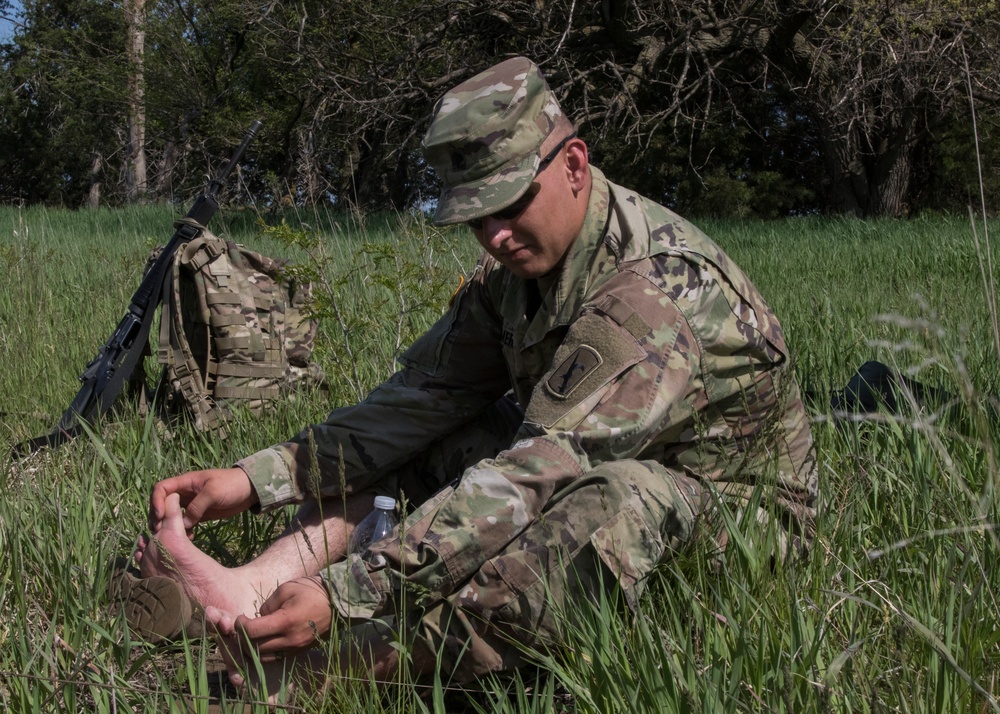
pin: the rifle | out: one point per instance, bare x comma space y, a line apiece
106, 374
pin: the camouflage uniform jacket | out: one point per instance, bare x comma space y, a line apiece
649, 344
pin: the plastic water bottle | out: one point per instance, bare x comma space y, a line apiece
375, 526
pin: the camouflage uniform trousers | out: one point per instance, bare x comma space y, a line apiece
610, 527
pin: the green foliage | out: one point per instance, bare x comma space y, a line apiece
724, 169
62, 96
378, 289
894, 610
952, 171
207, 77
793, 113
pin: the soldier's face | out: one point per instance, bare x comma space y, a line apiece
532, 237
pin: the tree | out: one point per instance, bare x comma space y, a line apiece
361, 77
203, 72
753, 107
874, 78
63, 100
871, 81
879, 77
135, 36
94, 88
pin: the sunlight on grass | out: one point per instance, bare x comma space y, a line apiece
896, 609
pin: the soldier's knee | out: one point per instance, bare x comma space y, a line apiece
666, 500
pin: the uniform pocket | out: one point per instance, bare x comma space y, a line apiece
629, 550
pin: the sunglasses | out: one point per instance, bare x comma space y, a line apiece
517, 208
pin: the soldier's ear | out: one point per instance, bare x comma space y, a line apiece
577, 163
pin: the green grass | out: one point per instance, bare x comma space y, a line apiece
896, 610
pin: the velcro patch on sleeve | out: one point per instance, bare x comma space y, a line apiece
624, 315
594, 352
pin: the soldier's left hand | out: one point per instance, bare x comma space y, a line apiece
294, 618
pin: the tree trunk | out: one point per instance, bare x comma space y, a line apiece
164, 190
359, 178
891, 186
135, 170
848, 189
892, 169
94, 193
401, 188
307, 169
868, 178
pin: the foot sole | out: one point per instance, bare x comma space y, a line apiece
156, 607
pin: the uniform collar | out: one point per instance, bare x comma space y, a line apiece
565, 289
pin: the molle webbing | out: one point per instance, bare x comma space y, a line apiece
228, 322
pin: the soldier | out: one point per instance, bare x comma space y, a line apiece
604, 382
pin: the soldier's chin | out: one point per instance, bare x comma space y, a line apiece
524, 264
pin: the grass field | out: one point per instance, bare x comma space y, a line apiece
897, 609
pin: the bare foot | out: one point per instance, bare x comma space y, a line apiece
170, 553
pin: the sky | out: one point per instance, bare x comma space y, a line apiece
6, 25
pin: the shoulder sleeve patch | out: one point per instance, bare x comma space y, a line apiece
595, 351
573, 371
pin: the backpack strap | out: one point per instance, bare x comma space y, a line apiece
186, 373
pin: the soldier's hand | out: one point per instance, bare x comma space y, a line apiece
205, 496
294, 618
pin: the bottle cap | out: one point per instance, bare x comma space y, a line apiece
385, 503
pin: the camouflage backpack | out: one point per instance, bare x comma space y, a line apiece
232, 330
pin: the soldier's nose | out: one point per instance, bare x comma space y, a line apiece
495, 232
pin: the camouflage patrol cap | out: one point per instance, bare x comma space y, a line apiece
485, 136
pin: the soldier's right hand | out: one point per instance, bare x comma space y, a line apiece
205, 496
